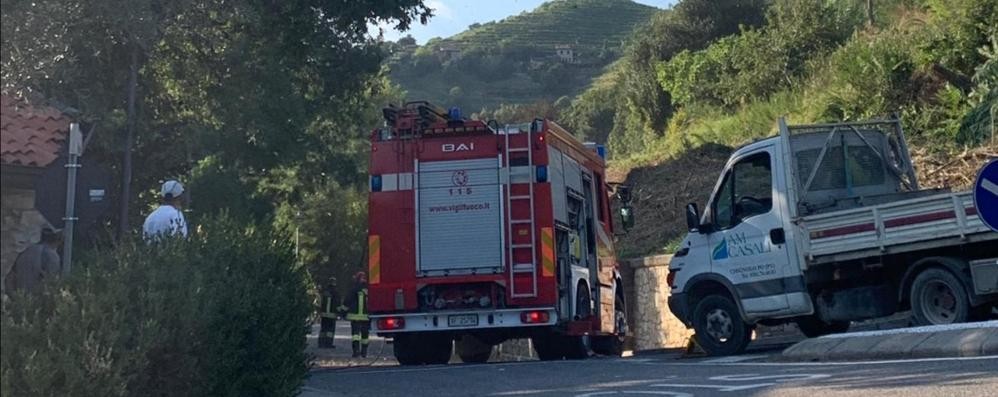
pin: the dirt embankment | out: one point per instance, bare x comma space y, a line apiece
953, 170
662, 190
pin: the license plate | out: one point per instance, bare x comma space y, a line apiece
462, 320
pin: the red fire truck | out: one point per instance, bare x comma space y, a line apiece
480, 233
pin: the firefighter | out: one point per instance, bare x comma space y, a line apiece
360, 324
327, 324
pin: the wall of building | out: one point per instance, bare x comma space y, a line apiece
20, 224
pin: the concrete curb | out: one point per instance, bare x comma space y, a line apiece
964, 340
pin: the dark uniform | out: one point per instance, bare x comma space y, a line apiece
360, 323
327, 324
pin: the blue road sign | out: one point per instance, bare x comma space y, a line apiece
986, 194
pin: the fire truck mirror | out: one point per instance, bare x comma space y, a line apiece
623, 193
627, 217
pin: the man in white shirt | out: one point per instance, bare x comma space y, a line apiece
167, 220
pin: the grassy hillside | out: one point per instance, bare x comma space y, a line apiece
586, 23
932, 62
516, 60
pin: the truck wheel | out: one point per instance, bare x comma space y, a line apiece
719, 327
613, 345
407, 350
472, 350
437, 349
575, 347
547, 347
938, 297
812, 326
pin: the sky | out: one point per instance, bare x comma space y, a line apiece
453, 16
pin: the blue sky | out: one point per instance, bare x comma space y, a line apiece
454, 16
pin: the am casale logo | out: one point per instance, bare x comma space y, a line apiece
721, 250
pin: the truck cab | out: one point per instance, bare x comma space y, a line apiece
822, 225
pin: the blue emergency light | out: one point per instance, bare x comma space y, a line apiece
454, 113
542, 173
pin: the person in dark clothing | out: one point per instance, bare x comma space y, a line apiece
38, 263
327, 322
360, 323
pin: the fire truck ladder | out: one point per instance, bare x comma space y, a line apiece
521, 268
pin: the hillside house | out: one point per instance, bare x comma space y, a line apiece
565, 53
448, 53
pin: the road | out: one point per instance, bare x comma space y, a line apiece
666, 374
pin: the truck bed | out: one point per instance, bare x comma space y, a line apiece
890, 228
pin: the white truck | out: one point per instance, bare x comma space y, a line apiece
823, 225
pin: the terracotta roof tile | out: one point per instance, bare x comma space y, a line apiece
30, 135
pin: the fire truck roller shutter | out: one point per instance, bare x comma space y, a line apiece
556, 175
460, 217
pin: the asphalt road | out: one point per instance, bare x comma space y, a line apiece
666, 374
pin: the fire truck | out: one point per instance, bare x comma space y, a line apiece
480, 233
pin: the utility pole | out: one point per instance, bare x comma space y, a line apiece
72, 165
126, 172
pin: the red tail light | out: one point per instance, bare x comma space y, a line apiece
534, 317
390, 323
671, 278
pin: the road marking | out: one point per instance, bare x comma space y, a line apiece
735, 359
724, 388
778, 378
817, 364
653, 392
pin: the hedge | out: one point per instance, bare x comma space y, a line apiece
223, 313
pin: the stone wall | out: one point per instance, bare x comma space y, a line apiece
20, 225
653, 325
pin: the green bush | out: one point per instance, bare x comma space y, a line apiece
223, 313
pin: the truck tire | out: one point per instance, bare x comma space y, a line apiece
938, 297
472, 350
613, 345
422, 349
576, 347
813, 327
719, 326
407, 350
547, 347
438, 349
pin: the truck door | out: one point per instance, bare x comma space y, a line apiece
744, 227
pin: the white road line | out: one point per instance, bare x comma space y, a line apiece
652, 392
735, 359
821, 364
779, 378
724, 388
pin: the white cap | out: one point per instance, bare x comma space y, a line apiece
172, 189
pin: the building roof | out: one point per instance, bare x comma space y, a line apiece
30, 135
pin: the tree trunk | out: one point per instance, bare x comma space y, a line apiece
869, 13
126, 167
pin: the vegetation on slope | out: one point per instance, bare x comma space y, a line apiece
933, 63
516, 60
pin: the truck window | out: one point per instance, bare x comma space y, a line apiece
858, 166
747, 191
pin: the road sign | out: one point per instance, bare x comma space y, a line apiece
986, 194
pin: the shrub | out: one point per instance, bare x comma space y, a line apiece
223, 313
